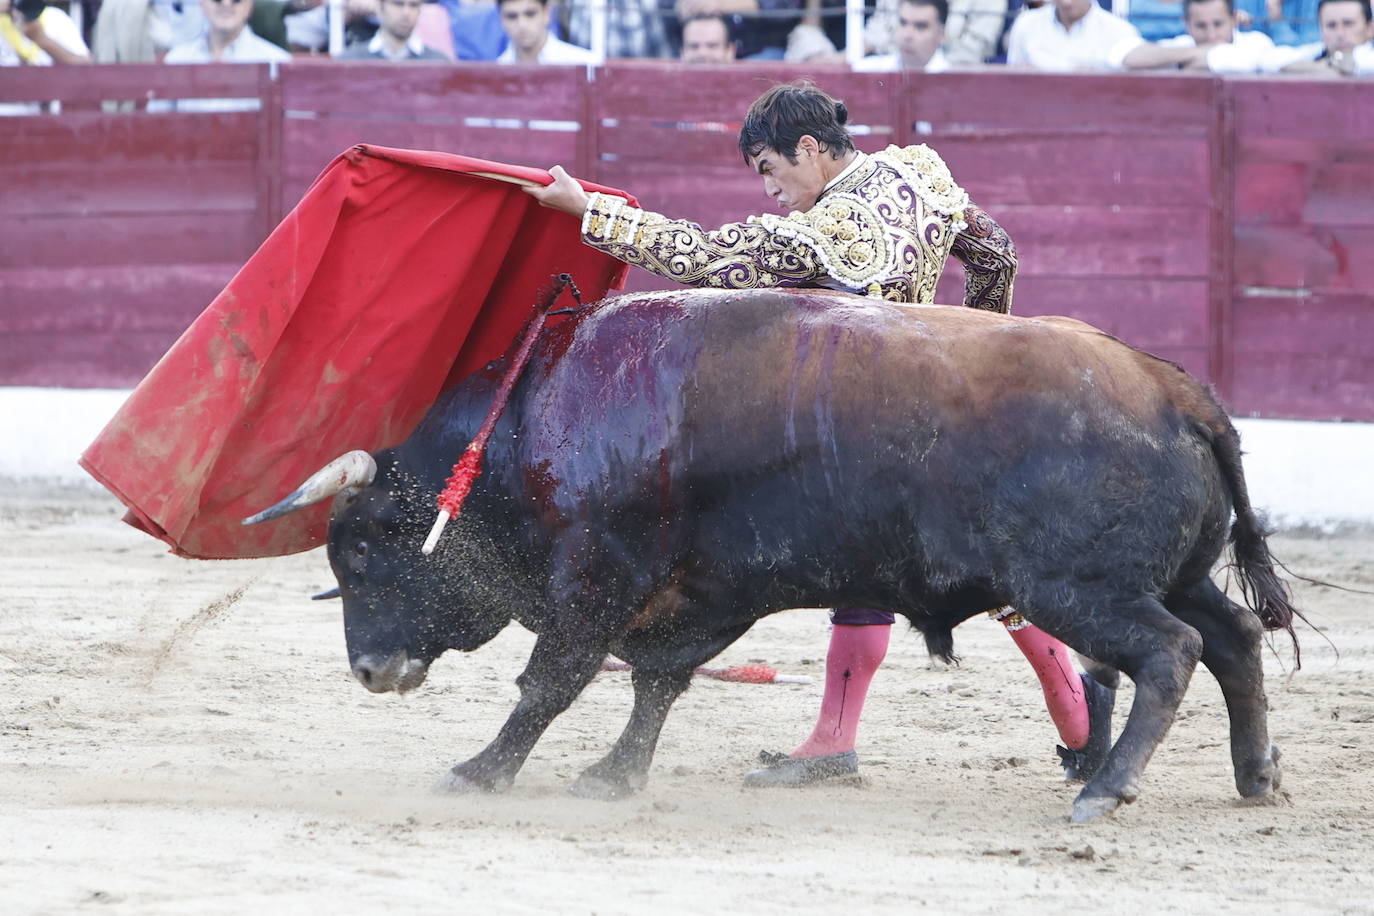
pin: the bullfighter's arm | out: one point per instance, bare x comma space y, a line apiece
735, 256
989, 260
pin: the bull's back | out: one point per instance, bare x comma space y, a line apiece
738, 382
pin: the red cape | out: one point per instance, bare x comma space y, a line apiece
398, 274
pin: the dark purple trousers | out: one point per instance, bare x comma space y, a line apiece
861, 617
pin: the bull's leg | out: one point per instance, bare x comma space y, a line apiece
1232, 643
558, 670
596, 584
658, 682
1157, 651
625, 769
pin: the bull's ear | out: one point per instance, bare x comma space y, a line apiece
326, 595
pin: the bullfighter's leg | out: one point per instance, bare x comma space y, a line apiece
1232, 646
858, 644
1156, 650
1080, 706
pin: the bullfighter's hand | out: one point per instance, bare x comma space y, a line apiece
563, 193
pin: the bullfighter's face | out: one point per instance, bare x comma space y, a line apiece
795, 185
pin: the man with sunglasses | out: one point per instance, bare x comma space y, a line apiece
228, 39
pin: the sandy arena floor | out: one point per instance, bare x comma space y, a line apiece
184, 737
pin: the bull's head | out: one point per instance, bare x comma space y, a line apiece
401, 609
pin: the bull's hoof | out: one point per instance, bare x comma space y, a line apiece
1087, 810
1264, 779
601, 788
459, 781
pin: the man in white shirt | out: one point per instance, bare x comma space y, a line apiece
1213, 42
527, 26
1066, 35
228, 38
395, 39
919, 35
973, 30
1345, 49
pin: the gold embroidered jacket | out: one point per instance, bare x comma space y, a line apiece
885, 229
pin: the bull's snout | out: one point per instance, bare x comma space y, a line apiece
397, 671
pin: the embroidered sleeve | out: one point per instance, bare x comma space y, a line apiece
989, 260
735, 256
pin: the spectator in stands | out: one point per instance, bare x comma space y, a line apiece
305, 24
1213, 42
130, 32
815, 38
707, 40
761, 37
36, 34
527, 27
1345, 48
395, 39
972, 30
228, 39
634, 28
920, 33
1066, 35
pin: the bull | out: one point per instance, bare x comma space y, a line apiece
674, 466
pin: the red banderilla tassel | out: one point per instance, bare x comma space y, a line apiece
469, 466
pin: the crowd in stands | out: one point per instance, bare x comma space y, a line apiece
1319, 38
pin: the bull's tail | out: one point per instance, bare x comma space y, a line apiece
1260, 586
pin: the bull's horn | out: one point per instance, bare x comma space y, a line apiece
355, 469
326, 595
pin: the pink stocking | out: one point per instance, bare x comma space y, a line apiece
854, 655
1062, 685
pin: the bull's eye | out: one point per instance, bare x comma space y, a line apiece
360, 548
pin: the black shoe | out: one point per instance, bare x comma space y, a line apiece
1080, 764
782, 770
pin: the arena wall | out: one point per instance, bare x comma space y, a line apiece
1223, 224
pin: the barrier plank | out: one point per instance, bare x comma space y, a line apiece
1038, 168
118, 298
1305, 256
1308, 356
1302, 111
138, 83
1014, 102
144, 239
1108, 242
313, 144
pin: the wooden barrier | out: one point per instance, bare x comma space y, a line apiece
1223, 224
1302, 328
120, 226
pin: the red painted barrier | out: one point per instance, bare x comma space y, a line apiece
1224, 224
